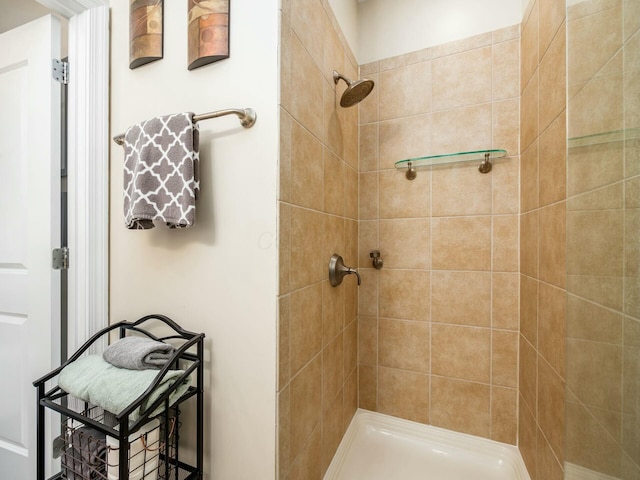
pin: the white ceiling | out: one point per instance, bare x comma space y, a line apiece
17, 12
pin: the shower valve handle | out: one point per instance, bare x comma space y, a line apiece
337, 270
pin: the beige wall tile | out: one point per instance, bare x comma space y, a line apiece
552, 326
505, 34
460, 190
529, 244
368, 297
630, 98
589, 8
350, 301
529, 309
286, 36
284, 247
589, 444
284, 179
308, 465
398, 61
552, 15
368, 196
332, 430
350, 349
332, 370
460, 406
505, 243
605, 26
551, 409
529, 180
553, 164
334, 130
631, 244
607, 291
398, 95
400, 198
351, 245
527, 438
403, 138
475, 121
461, 352
306, 403
350, 132
553, 79
333, 184
305, 326
529, 108
403, 394
505, 69
461, 243
369, 147
457, 46
595, 373
598, 107
306, 162
334, 55
351, 193
334, 237
404, 243
594, 166
368, 387
284, 433
609, 197
504, 358
527, 375
404, 345
504, 417
284, 317
368, 340
369, 106
547, 464
506, 126
461, 79
595, 242
394, 300
506, 186
367, 241
505, 304
588, 321
350, 399
332, 312
308, 22
552, 257
305, 106
462, 298
529, 47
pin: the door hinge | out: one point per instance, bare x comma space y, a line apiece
60, 71
60, 258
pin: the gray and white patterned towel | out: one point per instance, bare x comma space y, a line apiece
161, 172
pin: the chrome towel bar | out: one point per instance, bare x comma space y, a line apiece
247, 118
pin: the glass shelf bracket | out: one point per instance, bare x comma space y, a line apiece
485, 157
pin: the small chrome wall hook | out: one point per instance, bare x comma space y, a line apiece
376, 260
337, 270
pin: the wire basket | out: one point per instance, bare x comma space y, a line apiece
88, 454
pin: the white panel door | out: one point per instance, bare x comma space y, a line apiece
29, 229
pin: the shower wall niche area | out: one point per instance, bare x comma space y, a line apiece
603, 241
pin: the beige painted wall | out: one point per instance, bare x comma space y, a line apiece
218, 277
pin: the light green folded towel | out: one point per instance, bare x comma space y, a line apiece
114, 389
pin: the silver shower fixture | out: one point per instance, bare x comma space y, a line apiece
356, 90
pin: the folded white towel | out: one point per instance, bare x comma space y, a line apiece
161, 172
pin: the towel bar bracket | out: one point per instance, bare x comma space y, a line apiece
247, 118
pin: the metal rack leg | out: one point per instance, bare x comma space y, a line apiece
40, 436
200, 411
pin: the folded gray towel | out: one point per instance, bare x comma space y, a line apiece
138, 353
161, 172
86, 458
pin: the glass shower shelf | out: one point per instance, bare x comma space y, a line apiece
485, 156
604, 137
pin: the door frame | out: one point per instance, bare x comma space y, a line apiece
87, 166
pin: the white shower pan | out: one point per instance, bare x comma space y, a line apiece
380, 447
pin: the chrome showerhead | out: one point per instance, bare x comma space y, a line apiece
356, 90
